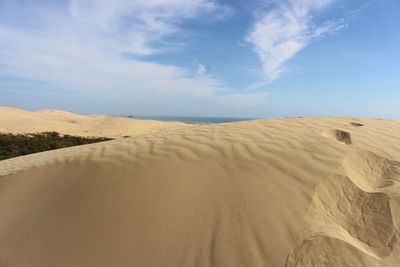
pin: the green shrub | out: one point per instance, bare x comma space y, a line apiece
14, 145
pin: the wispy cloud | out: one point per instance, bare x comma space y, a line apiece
201, 69
141, 24
81, 45
285, 28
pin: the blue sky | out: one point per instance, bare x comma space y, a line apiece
233, 58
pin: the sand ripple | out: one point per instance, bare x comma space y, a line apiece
257, 193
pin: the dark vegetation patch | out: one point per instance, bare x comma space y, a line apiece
357, 124
14, 145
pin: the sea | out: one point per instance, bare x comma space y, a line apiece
191, 119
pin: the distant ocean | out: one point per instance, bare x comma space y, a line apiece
191, 119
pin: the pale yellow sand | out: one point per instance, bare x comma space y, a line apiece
20, 121
279, 192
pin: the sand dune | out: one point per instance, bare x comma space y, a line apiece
20, 121
279, 192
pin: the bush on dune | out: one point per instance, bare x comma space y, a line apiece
14, 145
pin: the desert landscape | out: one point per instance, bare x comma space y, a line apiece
271, 192
199, 133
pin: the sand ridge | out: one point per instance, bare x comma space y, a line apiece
276, 192
20, 121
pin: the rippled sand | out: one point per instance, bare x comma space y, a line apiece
274, 192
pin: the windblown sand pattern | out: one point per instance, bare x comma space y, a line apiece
276, 192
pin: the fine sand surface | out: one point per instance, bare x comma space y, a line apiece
276, 192
14, 120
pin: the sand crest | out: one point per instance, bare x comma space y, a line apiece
21, 121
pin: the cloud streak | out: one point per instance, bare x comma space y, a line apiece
286, 28
140, 24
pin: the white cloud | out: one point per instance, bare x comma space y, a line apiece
97, 46
286, 28
201, 69
139, 24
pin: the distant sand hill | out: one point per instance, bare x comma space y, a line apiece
20, 121
275, 192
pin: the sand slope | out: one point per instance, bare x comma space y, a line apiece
281, 192
20, 121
